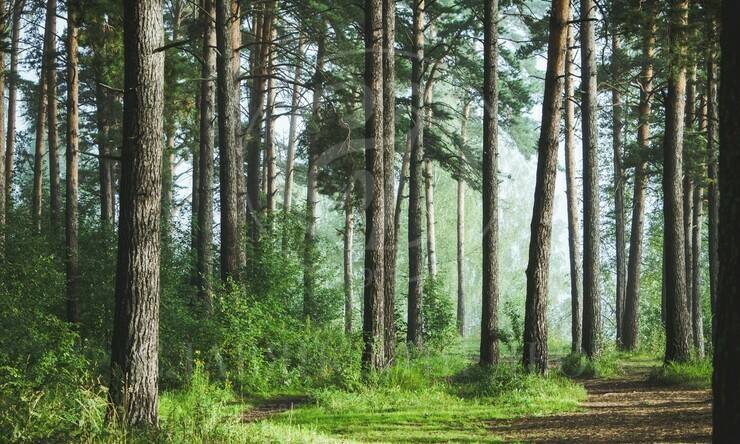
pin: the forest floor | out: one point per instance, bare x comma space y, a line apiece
627, 407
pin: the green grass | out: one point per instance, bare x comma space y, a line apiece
694, 374
432, 399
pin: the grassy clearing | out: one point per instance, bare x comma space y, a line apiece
694, 374
432, 399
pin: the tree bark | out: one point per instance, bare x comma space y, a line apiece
688, 184
3, 204
228, 125
631, 319
431, 222
38, 160
574, 242
102, 112
309, 242
373, 356
72, 155
348, 237
726, 405
591, 228
535, 323
489, 348
415, 293
697, 320
619, 225
461, 228
292, 139
204, 232
12, 100
389, 161
55, 200
270, 188
134, 365
678, 323
712, 167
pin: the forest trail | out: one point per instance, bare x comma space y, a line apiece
624, 409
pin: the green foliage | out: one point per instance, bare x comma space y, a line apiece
696, 373
438, 314
605, 365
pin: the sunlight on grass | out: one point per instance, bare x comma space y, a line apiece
694, 374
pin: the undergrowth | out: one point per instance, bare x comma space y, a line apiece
696, 374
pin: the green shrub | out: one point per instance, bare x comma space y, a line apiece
605, 365
696, 374
439, 323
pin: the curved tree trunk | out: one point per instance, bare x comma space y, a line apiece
678, 324
574, 242
630, 328
135, 343
535, 323
591, 228
72, 217
416, 136
489, 350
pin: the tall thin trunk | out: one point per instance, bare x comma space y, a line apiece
102, 111
535, 322
256, 115
39, 154
270, 188
292, 139
461, 228
619, 225
688, 183
726, 405
204, 238
72, 155
135, 343
489, 349
3, 204
591, 228
12, 100
348, 237
430, 219
241, 177
574, 242
389, 161
228, 125
309, 242
678, 324
631, 317
170, 129
55, 200
697, 320
712, 179
373, 356
415, 294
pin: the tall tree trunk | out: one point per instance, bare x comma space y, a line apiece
535, 322
591, 228
726, 405
102, 112
688, 183
619, 225
461, 227
574, 242
12, 100
489, 350
697, 320
348, 237
38, 160
228, 125
256, 115
55, 200
712, 185
678, 324
631, 319
241, 178
431, 222
373, 356
292, 139
415, 293
3, 204
204, 223
270, 188
170, 129
72, 155
389, 161
135, 343
309, 242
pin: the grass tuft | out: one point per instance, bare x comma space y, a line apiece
695, 374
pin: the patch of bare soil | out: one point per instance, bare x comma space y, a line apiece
624, 410
273, 406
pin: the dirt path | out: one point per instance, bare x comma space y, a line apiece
273, 406
628, 410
